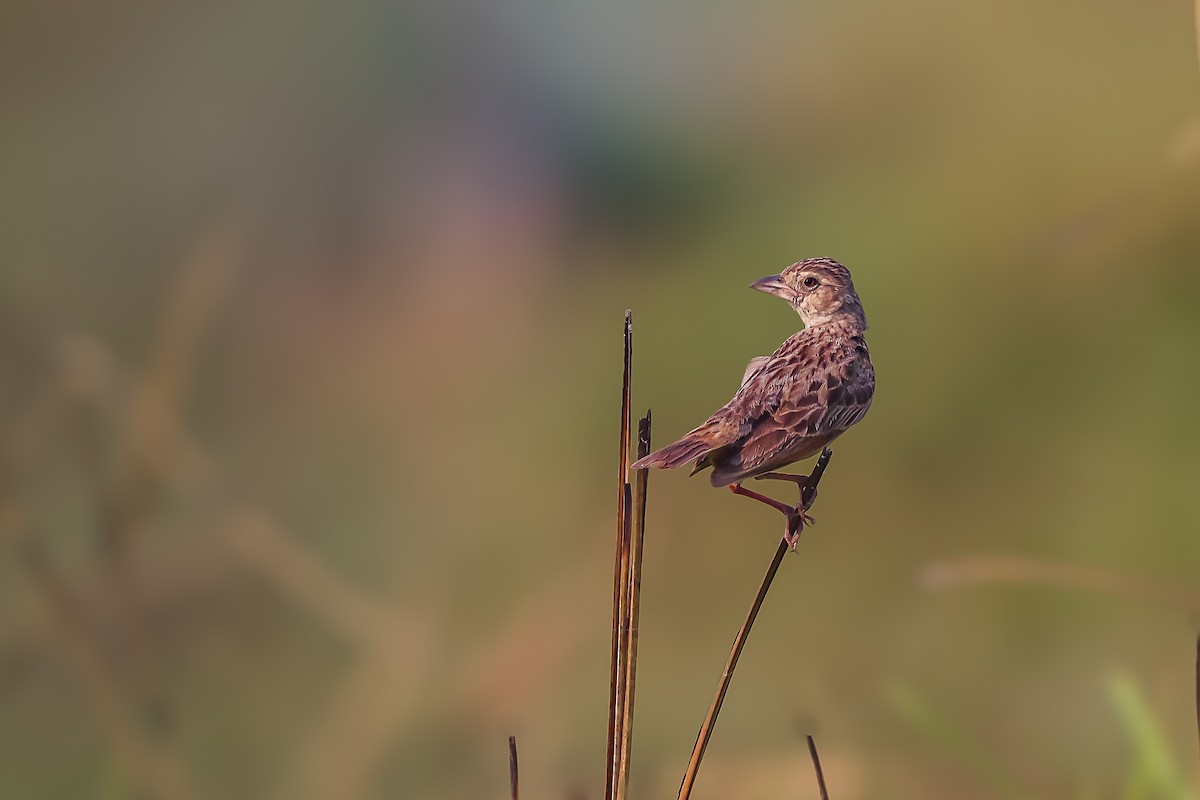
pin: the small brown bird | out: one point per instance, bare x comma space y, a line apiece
793, 402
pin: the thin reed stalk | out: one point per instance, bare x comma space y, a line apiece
513, 779
739, 642
627, 585
816, 759
985, 570
616, 699
633, 609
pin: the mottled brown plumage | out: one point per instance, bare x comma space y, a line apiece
794, 402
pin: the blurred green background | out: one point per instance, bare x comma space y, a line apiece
311, 326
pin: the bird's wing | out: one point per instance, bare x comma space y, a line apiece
753, 366
720, 430
792, 407
790, 404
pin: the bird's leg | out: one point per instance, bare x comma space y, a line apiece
807, 497
796, 516
783, 508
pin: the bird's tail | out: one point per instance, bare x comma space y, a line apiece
693, 447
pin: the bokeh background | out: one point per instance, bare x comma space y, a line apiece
311, 320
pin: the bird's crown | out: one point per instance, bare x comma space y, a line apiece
827, 268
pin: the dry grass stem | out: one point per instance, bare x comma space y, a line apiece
816, 759
513, 780
632, 613
985, 570
627, 583
151, 768
739, 642
616, 699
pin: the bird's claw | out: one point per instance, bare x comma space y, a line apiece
796, 521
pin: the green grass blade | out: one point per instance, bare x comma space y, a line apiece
1155, 772
922, 716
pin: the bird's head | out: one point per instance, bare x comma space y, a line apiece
819, 289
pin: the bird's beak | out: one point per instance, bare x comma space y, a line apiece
773, 285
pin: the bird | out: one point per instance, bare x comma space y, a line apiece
792, 403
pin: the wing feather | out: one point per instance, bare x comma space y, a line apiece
796, 404
792, 403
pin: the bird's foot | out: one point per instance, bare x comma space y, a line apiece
797, 518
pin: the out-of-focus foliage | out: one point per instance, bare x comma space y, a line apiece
311, 345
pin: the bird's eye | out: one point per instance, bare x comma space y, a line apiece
810, 282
